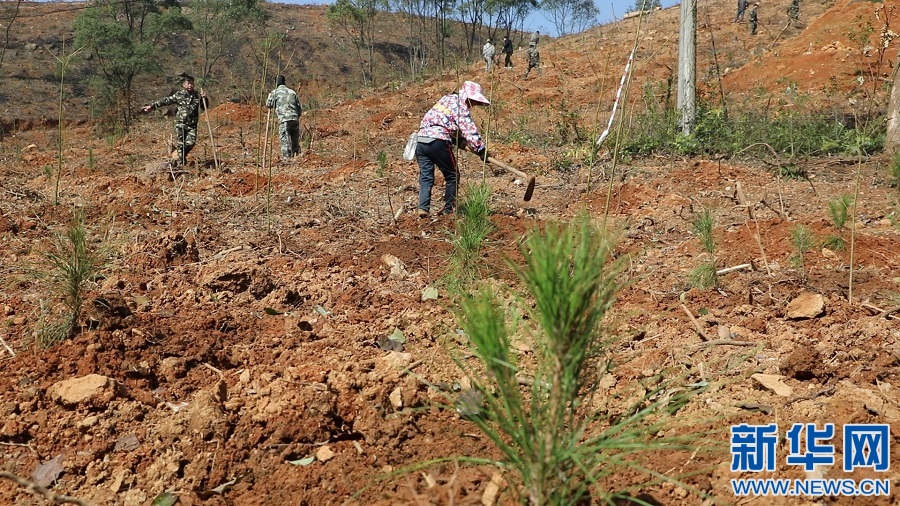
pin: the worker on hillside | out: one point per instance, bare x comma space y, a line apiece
287, 107
741, 7
754, 18
449, 123
507, 51
189, 104
793, 11
487, 52
534, 59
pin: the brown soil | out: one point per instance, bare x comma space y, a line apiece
210, 386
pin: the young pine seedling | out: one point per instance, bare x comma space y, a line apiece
802, 240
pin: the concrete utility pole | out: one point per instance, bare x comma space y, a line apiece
687, 66
892, 140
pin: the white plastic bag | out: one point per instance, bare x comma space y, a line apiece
410, 152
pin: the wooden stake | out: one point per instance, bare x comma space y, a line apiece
212, 141
732, 269
696, 323
10, 350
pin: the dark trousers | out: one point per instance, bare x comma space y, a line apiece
437, 153
508, 61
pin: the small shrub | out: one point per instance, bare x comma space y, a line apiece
802, 240
70, 263
792, 171
839, 209
704, 276
703, 225
553, 442
382, 164
473, 224
835, 243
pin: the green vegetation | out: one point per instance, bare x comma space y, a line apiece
704, 275
473, 224
813, 133
382, 163
69, 265
216, 24
839, 209
553, 441
791, 171
703, 225
801, 237
125, 40
835, 243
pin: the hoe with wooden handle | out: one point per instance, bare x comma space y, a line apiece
529, 190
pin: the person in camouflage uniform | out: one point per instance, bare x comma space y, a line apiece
754, 18
287, 107
487, 52
534, 59
793, 11
189, 103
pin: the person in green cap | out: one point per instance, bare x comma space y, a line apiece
190, 103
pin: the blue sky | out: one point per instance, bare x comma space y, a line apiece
610, 10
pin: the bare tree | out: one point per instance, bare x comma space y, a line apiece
216, 24
570, 16
471, 15
357, 18
9, 15
416, 13
509, 15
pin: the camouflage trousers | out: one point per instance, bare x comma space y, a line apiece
185, 139
289, 135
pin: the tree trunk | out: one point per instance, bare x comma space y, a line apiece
892, 139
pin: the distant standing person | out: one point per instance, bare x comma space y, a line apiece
754, 18
507, 51
535, 38
445, 125
487, 52
793, 11
189, 104
741, 7
534, 59
287, 108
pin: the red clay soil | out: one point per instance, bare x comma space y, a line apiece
236, 331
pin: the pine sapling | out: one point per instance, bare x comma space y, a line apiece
802, 240
704, 275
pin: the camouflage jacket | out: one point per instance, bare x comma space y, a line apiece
189, 106
285, 102
534, 57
